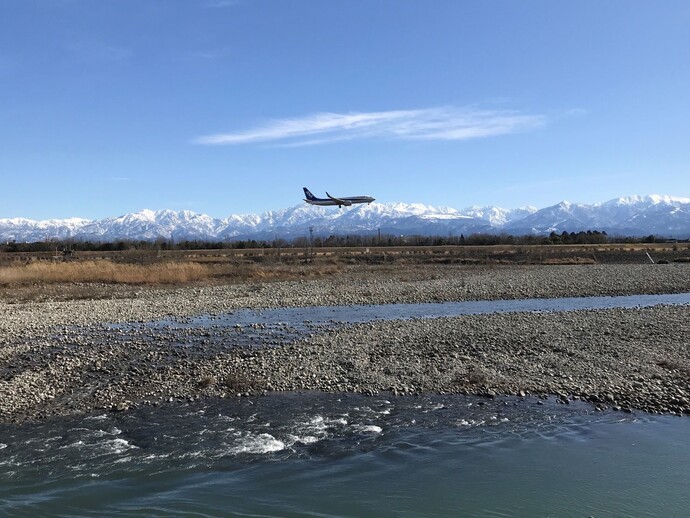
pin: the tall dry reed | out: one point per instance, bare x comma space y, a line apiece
103, 271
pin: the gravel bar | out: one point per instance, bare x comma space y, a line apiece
66, 357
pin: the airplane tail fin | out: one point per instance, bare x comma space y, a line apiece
308, 194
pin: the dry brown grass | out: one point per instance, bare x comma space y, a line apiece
103, 272
38, 273
569, 260
278, 273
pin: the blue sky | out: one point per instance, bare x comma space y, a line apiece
232, 106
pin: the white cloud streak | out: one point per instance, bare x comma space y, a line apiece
209, 54
444, 123
222, 3
99, 52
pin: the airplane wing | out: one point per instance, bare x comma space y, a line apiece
339, 201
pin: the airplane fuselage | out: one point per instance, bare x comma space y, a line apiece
332, 200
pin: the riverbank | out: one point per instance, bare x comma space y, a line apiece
62, 357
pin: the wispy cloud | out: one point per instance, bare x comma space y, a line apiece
222, 3
92, 51
443, 123
576, 112
209, 54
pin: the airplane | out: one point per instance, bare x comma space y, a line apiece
332, 200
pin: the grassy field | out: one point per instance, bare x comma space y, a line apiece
135, 267
104, 271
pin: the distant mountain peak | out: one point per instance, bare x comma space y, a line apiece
630, 216
650, 199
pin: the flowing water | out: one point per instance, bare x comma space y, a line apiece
312, 454
275, 326
349, 455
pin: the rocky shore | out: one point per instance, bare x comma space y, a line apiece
67, 356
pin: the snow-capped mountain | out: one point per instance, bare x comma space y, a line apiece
627, 216
149, 225
27, 230
632, 216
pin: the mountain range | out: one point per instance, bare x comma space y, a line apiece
665, 216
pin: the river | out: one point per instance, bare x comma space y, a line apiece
314, 454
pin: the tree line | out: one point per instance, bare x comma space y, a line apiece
563, 238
